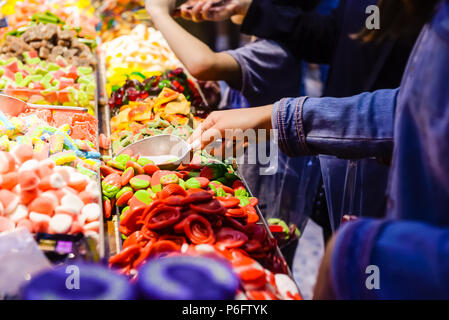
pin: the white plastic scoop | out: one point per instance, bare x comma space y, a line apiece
166, 151
13, 106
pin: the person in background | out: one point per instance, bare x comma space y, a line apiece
409, 249
256, 75
355, 67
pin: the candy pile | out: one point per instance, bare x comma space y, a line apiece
144, 50
134, 90
51, 41
167, 114
118, 18
161, 210
256, 282
77, 125
48, 174
60, 144
41, 82
41, 196
282, 232
76, 13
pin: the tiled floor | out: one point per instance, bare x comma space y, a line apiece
307, 258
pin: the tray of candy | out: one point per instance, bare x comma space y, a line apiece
183, 210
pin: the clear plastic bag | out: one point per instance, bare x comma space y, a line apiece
21, 259
287, 188
354, 187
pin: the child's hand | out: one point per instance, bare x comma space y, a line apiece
230, 123
160, 6
214, 10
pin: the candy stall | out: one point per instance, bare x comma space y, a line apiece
100, 90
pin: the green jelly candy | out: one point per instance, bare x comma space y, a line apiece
156, 188
144, 161
123, 159
213, 188
193, 183
122, 191
182, 183
152, 194
122, 215
279, 222
143, 196
138, 182
241, 193
244, 201
169, 179
125, 142
194, 174
221, 192
109, 190
115, 164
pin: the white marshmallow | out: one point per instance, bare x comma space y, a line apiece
61, 223
39, 217
77, 177
91, 211
93, 226
20, 213
12, 205
30, 165
51, 196
73, 202
57, 181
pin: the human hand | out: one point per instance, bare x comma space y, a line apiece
231, 124
160, 6
214, 10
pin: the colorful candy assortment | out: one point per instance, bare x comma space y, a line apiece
144, 51
163, 211
167, 114
135, 90
41, 82
50, 40
48, 174
76, 13
44, 197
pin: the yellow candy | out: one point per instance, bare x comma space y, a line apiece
65, 128
56, 143
65, 158
4, 143
39, 145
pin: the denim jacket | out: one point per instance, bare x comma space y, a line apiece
354, 127
411, 256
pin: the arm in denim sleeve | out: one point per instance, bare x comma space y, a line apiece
408, 255
356, 127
